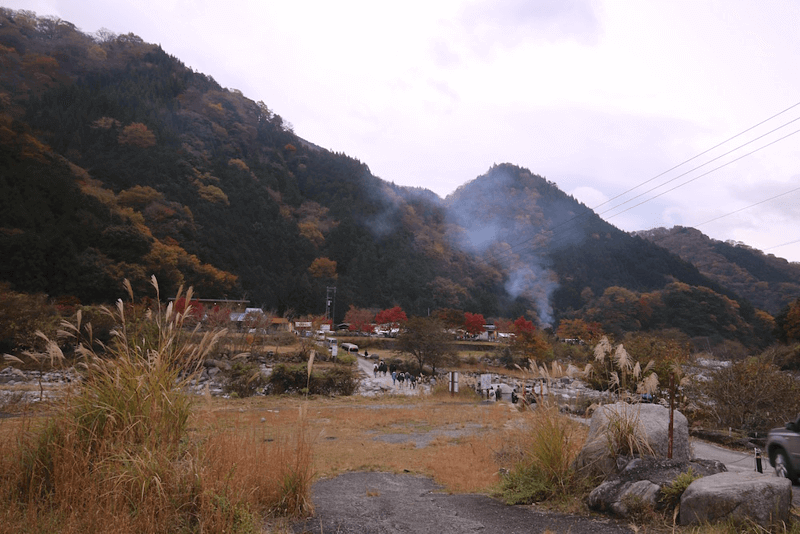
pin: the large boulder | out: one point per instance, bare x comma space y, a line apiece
613, 426
752, 496
642, 481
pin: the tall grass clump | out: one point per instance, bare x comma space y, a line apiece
545, 469
624, 433
118, 456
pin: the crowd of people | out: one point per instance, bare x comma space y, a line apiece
404, 378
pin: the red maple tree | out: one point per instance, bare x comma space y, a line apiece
359, 319
474, 323
393, 316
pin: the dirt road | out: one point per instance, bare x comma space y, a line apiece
385, 503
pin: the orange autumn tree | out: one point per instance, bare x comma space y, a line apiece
323, 268
138, 135
528, 342
792, 322
579, 329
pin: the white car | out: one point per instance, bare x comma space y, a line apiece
783, 448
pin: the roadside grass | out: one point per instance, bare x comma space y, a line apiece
117, 455
235, 464
541, 456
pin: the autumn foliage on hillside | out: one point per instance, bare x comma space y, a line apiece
121, 162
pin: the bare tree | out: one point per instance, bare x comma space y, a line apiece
426, 339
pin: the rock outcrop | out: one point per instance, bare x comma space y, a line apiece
642, 481
756, 497
615, 426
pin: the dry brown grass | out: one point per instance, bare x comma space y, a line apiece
118, 456
459, 440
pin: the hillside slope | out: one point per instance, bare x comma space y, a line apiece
767, 281
118, 162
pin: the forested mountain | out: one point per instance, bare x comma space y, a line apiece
117, 161
559, 259
767, 281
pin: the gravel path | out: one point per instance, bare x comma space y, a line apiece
372, 385
385, 503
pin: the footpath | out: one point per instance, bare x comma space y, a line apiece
372, 385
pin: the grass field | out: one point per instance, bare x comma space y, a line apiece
459, 442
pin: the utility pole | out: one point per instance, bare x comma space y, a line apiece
330, 302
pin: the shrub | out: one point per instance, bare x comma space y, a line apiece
21, 316
785, 357
671, 493
546, 468
338, 380
288, 378
470, 359
244, 379
744, 392
345, 358
639, 510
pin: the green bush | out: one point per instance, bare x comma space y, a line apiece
244, 379
671, 493
21, 315
288, 378
640, 511
338, 380
345, 359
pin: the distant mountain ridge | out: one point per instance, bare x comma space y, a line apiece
768, 282
117, 161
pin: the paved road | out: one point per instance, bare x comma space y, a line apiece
736, 461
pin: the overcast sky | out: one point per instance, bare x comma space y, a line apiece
596, 96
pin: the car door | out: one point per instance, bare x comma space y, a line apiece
793, 444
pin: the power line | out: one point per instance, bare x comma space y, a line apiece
704, 174
507, 254
747, 207
700, 154
784, 244
706, 163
